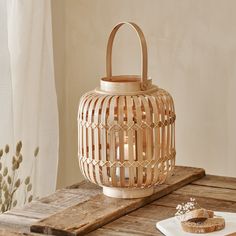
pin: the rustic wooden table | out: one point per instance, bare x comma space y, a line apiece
82, 209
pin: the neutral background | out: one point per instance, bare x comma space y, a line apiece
192, 54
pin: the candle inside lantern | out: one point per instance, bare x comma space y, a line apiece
126, 158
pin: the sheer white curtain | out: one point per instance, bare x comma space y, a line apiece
28, 105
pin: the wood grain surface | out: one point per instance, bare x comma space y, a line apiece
100, 210
213, 192
217, 181
164, 207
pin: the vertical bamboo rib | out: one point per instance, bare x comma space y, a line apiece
139, 137
168, 100
104, 139
112, 140
173, 124
155, 143
148, 139
80, 129
90, 137
173, 134
121, 138
162, 138
158, 102
85, 136
167, 138
131, 144
97, 138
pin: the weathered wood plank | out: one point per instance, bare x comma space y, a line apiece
15, 224
217, 181
108, 232
172, 200
99, 209
9, 231
209, 192
142, 221
153, 212
184, 175
6, 232
16, 220
65, 198
161, 209
156, 214
35, 210
20, 219
58, 201
134, 225
85, 185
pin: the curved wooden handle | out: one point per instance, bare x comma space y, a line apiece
143, 45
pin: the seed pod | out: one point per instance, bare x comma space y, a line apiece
9, 179
29, 188
15, 165
20, 158
7, 148
36, 151
0, 178
30, 198
4, 187
27, 180
17, 183
6, 195
1, 153
18, 147
14, 203
0, 165
5, 171
13, 160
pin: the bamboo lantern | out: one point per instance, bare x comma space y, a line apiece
126, 130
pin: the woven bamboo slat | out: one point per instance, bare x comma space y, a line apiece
127, 130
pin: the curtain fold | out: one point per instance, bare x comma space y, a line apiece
27, 89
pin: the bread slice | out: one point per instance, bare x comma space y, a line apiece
198, 215
207, 226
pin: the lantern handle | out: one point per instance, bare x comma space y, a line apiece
143, 45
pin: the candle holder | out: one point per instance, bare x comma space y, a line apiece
126, 131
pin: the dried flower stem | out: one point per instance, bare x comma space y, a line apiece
9, 181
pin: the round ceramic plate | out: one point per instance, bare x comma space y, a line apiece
172, 227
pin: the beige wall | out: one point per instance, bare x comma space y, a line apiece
192, 54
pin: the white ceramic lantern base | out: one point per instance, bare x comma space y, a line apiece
127, 192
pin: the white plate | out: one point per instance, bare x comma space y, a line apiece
172, 227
